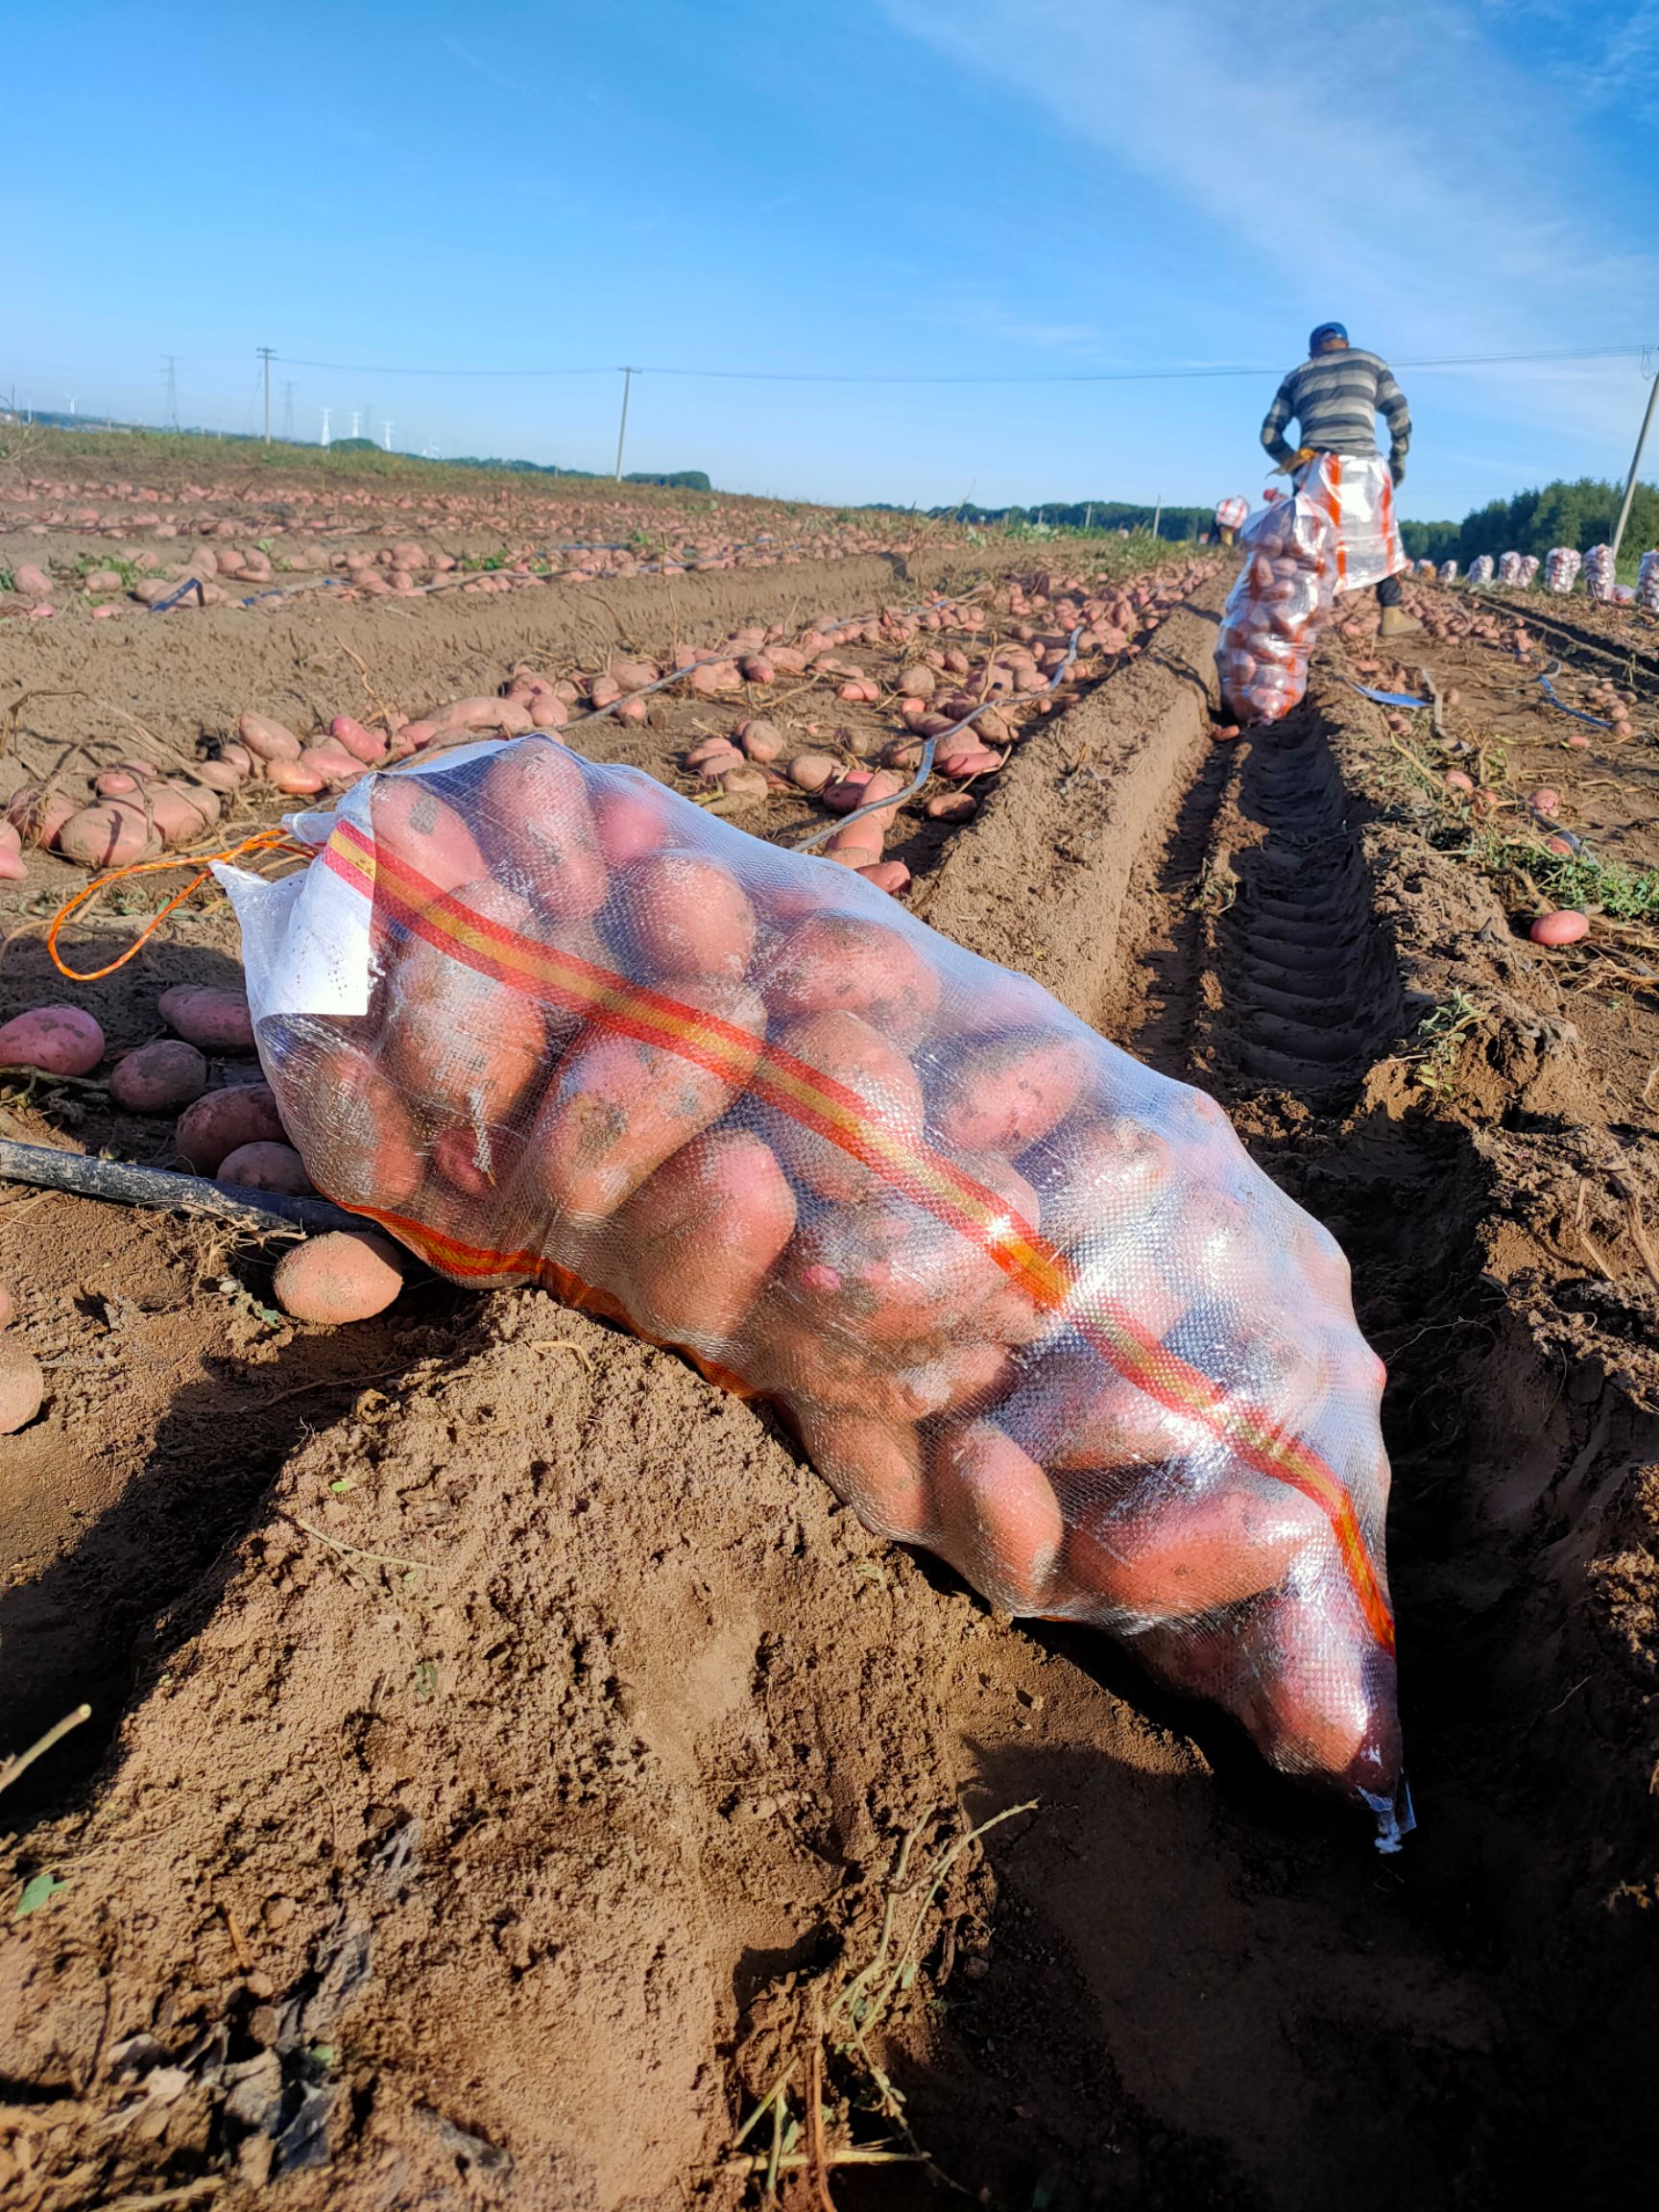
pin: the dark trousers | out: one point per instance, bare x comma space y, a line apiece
1389, 591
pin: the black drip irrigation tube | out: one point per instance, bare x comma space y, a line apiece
162, 1191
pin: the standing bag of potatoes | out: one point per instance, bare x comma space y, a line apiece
1022, 1301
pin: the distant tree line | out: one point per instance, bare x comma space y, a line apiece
1580, 514
672, 479
1082, 514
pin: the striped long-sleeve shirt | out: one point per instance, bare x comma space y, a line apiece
1336, 397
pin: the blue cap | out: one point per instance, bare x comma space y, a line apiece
1325, 333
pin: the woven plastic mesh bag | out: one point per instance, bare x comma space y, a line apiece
1025, 1302
1277, 607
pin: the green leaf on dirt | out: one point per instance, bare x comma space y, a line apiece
39, 1890
426, 1678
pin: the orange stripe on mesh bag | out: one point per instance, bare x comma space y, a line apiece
830, 1110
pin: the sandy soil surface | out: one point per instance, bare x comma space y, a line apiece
509, 1758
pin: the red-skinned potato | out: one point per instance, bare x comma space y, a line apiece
632, 815
296, 778
877, 1467
998, 1518
853, 1057
417, 827
221, 776
1000, 1093
348, 1275
705, 1232
209, 1015
811, 771
889, 875
1094, 1176
159, 1078
38, 812
267, 740
1164, 1555
59, 1040
685, 915
224, 1120
1314, 1691
265, 1166
510, 716
23, 1388
533, 807
620, 1104
363, 744
459, 1043
368, 1151
114, 835
839, 963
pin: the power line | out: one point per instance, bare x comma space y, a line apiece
1048, 376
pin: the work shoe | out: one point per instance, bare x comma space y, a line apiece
1397, 623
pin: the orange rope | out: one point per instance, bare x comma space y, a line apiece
263, 841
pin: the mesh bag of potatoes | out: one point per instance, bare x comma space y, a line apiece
1277, 607
1024, 1301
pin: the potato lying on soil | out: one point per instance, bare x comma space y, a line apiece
7, 1309
206, 1015
265, 1166
159, 1078
60, 1040
348, 1275
112, 834
224, 1120
23, 1387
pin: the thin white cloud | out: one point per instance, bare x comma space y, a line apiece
1385, 164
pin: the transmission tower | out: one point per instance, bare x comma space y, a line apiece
386, 435
357, 421
326, 412
172, 361
288, 411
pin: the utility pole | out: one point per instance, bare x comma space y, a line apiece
1635, 464
172, 361
288, 411
1157, 514
265, 352
628, 376
327, 411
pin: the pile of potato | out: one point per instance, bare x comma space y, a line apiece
1025, 1302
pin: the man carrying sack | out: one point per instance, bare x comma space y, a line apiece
1336, 398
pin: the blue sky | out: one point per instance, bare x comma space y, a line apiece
921, 187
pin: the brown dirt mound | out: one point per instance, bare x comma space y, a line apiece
530, 1774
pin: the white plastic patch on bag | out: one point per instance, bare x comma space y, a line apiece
1357, 493
1024, 1301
